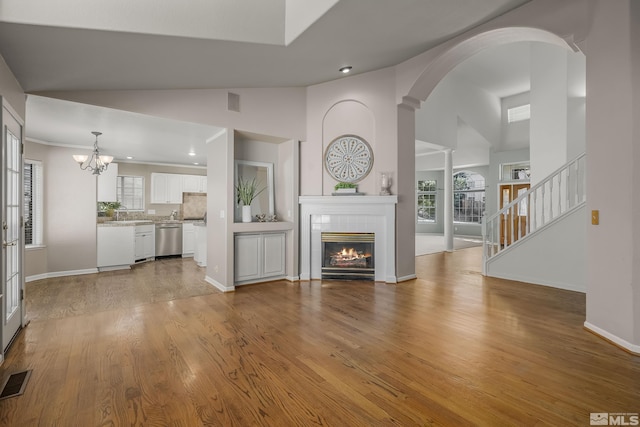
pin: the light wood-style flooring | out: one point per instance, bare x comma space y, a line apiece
157, 346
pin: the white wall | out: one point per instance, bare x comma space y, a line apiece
548, 127
613, 106
554, 257
11, 91
514, 136
70, 213
361, 105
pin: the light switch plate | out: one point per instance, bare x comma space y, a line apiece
595, 217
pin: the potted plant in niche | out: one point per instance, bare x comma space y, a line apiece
345, 187
246, 191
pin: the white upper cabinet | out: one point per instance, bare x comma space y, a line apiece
168, 187
194, 184
107, 184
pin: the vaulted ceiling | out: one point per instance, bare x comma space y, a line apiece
160, 44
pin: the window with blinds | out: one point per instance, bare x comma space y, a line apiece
33, 215
130, 192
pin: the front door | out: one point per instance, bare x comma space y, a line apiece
513, 224
12, 239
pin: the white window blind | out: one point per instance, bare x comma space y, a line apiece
518, 114
33, 201
130, 192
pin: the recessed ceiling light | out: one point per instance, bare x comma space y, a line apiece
129, 158
191, 153
345, 70
196, 163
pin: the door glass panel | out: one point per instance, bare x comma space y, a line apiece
12, 233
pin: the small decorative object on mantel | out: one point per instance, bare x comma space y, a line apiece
385, 183
261, 217
272, 218
346, 189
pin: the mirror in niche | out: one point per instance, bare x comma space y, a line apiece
263, 174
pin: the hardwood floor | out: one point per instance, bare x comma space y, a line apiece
451, 348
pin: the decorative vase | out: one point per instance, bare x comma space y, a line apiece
246, 213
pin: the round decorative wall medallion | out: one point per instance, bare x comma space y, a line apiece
348, 158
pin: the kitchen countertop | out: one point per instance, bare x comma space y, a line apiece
133, 223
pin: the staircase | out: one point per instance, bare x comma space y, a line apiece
557, 197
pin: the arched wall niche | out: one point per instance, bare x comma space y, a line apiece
349, 117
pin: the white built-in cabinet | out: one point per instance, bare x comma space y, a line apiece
168, 187
116, 247
200, 251
194, 184
107, 184
188, 239
145, 242
259, 256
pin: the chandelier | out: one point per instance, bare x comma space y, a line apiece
96, 163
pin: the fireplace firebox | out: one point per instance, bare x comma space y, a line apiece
348, 256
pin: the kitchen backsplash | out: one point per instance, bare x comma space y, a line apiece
194, 205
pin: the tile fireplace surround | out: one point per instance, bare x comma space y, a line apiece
348, 214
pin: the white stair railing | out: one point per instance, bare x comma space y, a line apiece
560, 193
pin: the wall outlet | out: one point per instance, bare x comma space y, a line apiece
222, 213
215, 268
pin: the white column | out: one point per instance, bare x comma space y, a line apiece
448, 200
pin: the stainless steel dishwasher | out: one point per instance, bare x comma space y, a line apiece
168, 238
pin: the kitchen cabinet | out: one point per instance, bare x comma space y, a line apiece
259, 256
145, 242
116, 247
166, 188
188, 239
200, 251
107, 184
194, 184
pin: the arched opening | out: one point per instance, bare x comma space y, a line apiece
464, 108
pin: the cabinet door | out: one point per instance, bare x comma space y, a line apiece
174, 188
139, 253
149, 244
247, 256
203, 184
116, 246
158, 188
107, 184
188, 239
191, 183
273, 254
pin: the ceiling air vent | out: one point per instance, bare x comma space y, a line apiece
233, 102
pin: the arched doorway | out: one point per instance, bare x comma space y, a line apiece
435, 72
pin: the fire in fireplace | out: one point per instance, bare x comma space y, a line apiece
348, 256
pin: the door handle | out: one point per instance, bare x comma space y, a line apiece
5, 244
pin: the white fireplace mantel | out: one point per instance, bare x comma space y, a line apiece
349, 214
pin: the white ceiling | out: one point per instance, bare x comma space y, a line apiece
154, 44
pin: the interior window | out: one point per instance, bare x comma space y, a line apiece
468, 197
33, 216
130, 192
426, 201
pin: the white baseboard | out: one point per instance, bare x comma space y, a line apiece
632, 348
535, 281
293, 278
219, 285
408, 277
391, 279
60, 274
